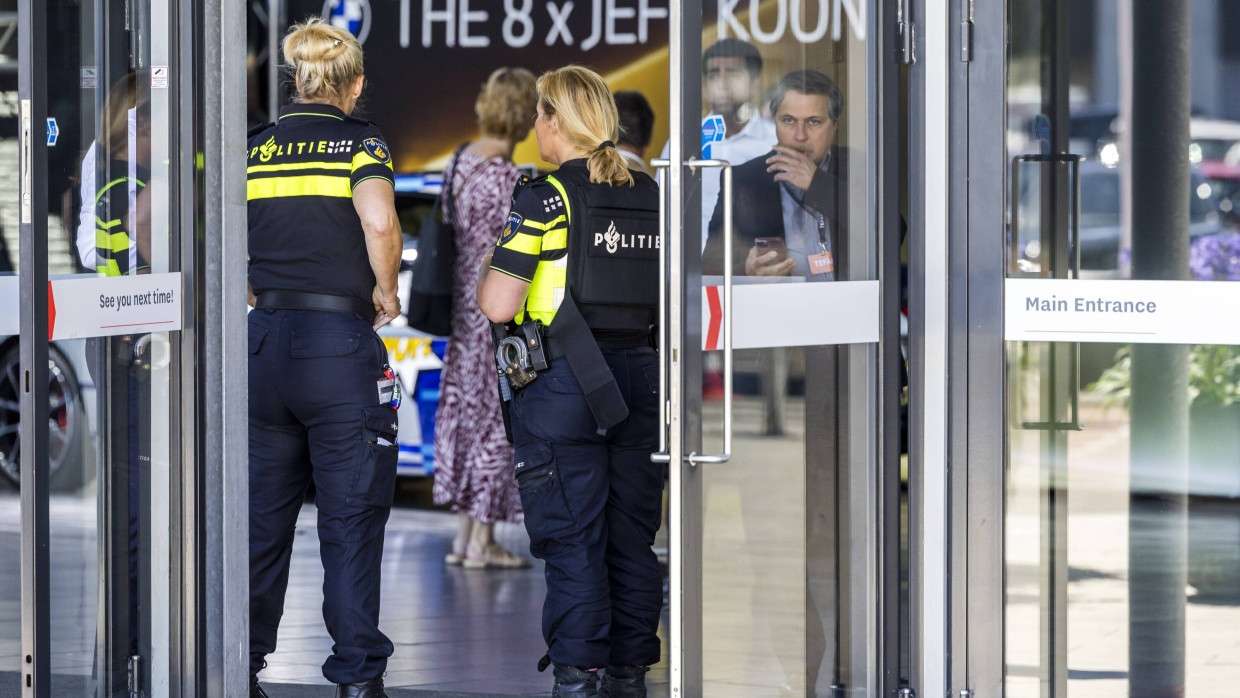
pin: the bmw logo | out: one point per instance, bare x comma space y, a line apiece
351, 15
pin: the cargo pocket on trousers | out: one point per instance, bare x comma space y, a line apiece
375, 481
547, 515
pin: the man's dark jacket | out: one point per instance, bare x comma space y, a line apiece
757, 210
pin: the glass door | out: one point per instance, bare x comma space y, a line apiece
98, 369
1120, 486
778, 304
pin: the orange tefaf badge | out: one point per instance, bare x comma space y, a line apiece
821, 263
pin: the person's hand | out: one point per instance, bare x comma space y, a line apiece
484, 267
386, 309
792, 166
768, 263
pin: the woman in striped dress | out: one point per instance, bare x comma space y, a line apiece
473, 459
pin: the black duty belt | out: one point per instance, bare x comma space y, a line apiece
304, 300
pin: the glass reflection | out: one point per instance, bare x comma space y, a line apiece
790, 204
108, 219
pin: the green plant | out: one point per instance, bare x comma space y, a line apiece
1213, 370
1213, 376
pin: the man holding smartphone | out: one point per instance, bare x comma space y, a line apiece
790, 206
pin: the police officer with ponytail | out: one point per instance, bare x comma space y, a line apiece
574, 281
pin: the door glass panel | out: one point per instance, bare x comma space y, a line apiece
793, 80
109, 225
1122, 522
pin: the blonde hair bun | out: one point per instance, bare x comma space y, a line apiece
324, 60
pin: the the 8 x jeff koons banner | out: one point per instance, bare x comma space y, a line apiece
427, 59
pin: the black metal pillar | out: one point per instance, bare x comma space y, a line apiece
1158, 538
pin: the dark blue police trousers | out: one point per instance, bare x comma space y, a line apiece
315, 413
592, 506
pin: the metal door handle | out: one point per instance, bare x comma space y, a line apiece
695, 458
1073, 423
27, 162
662, 456
1055, 269
1046, 241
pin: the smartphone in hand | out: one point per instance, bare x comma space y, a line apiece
768, 244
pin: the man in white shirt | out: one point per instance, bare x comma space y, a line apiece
731, 72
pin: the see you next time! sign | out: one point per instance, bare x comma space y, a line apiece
1144, 312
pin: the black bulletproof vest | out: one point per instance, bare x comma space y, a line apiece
613, 242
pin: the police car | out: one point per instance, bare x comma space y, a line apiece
415, 357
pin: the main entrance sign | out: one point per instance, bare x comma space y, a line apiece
1145, 312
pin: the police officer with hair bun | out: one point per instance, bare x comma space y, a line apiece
324, 245
574, 282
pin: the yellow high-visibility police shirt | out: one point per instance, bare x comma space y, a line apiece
304, 233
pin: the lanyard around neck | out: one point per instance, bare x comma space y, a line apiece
819, 219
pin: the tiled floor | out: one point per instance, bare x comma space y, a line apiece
455, 630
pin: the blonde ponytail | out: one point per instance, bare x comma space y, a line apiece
608, 165
588, 120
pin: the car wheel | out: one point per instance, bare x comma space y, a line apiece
66, 422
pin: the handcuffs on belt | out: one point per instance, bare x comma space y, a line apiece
520, 357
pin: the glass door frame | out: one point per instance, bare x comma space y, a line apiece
957, 400
32, 265
872, 630
979, 407
941, 344
976, 390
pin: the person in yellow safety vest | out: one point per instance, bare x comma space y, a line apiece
117, 129
122, 202
117, 185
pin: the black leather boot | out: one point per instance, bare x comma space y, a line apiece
363, 689
256, 691
571, 682
624, 682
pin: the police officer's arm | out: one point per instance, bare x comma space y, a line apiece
507, 271
499, 295
374, 199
